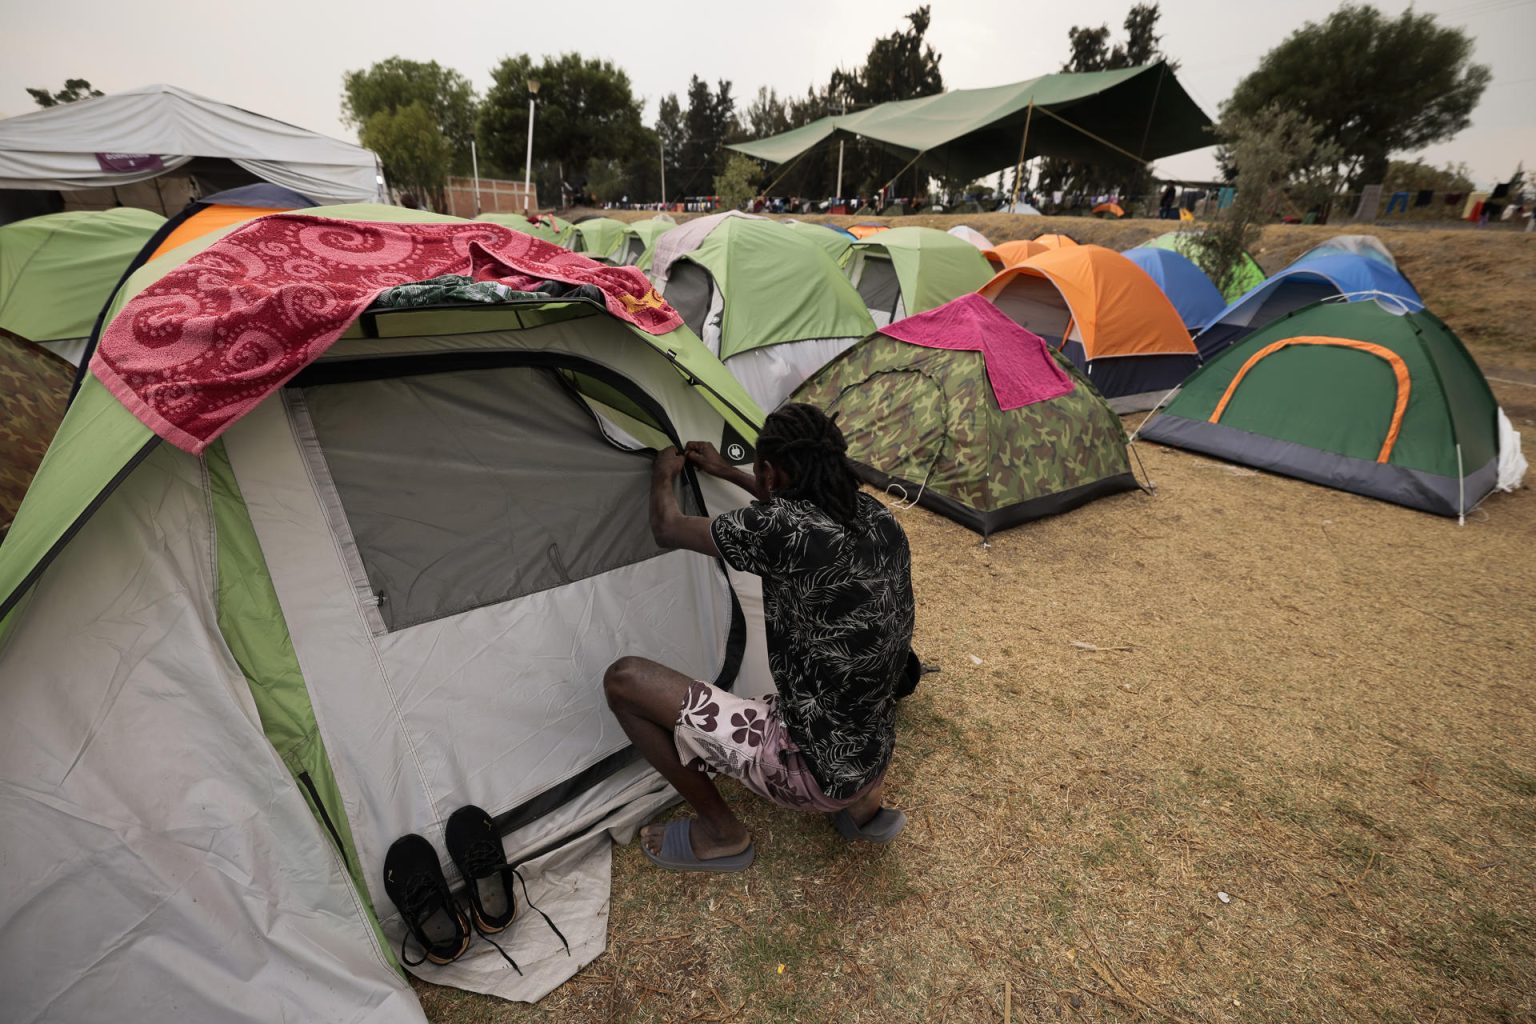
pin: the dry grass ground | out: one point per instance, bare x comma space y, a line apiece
1314, 703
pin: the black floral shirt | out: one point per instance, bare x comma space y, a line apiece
837, 602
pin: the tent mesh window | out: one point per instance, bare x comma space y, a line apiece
879, 287
469, 488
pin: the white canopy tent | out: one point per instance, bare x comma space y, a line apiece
139, 134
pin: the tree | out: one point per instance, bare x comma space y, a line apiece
766, 115
586, 110
1280, 159
396, 83
1371, 84
900, 66
670, 135
414, 149
74, 89
737, 184
708, 124
1414, 175
1091, 51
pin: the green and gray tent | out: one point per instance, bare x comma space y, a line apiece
545, 226
771, 304
388, 590
834, 241
608, 240
1249, 273
648, 231
1361, 396
912, 270
57, 271
970, 415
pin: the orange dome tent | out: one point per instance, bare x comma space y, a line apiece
1105, 314
1055, 241
1011, 254
865, 230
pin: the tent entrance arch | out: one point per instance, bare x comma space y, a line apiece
873, 276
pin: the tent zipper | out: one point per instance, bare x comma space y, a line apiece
325, 818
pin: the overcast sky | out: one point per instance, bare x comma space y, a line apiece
285, 58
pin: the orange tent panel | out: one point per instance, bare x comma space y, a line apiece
865, 230
1011, 254
1117, 309
210, 218
1056, 241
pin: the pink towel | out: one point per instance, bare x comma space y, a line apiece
206, 343
1020, 367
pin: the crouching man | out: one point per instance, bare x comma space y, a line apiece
837, 602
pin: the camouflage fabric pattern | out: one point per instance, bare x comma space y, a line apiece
927, 416
448, 288
34, 392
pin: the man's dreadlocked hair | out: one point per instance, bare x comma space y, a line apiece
806, 443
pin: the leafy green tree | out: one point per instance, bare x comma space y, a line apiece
415, 151
670, 135
396, 83
74, 89
1091, 51
587, 111
709, 122
1373, 85
1281, 161
736, 185
766, 115
900, 66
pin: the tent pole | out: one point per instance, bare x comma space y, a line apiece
474, 163
1018, 170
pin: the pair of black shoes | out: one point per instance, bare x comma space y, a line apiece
414, 880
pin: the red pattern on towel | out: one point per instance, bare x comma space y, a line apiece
205, 344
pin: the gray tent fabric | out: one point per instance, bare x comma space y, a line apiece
93, 144
683, 239
879, 287
161, 865
483, 500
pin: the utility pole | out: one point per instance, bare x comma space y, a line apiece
661, 144
533, 91
474, 163
840, 158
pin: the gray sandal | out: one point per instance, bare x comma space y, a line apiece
677, 852
882, 828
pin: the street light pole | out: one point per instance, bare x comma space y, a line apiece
474, 163
662, 145
533, 91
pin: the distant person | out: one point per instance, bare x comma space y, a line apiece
1167, 207
837, 603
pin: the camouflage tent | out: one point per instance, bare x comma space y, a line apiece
940, 416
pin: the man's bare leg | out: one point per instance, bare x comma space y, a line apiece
647, 697
864, 809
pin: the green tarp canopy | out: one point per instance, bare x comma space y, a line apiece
58, 270
1143, 112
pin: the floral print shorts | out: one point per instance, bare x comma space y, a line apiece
747, 740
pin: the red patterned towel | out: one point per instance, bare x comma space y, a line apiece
202, 346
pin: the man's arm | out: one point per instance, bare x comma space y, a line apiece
704, 455
669, 526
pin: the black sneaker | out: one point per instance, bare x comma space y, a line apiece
474, 846
414, 880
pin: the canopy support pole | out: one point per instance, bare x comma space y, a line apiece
1018, 170
1152, 110
904, 170
1096, 138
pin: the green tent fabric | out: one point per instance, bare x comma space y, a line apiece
544, 226
931, 267
836, 244
1248, 274
603, 238
57, 271
925, 424
969, 132
768, 302
1352, 395
650, 230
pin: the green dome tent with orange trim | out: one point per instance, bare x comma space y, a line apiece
1361, 396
